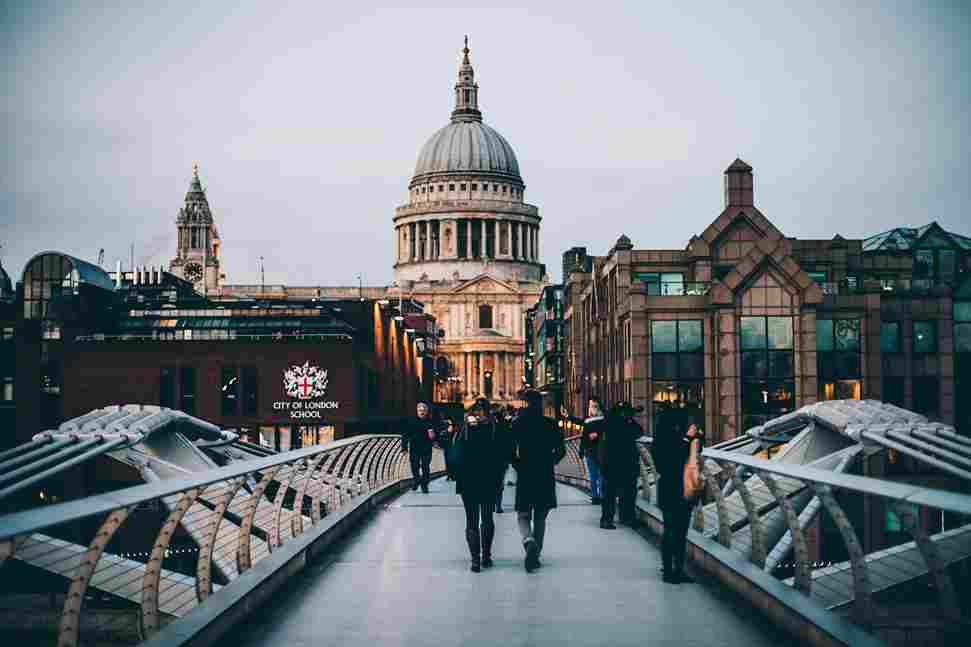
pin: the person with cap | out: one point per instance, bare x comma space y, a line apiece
537, 446
593, 431
619, 464
418, 436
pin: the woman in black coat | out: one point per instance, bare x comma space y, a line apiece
481, 458
672, 442
537, 447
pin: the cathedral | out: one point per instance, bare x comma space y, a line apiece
466, 248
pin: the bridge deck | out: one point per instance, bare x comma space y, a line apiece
404, 580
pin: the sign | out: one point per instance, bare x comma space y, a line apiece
306, 385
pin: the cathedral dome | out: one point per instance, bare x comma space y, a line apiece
467, 146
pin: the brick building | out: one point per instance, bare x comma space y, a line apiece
745, 324
84, 338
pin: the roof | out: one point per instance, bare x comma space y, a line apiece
86, 272
467, 146
908, 238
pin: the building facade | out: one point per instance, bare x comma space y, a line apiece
545, 349
285, 373
197, 250
745, 324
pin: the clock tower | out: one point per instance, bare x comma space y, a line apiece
197, 254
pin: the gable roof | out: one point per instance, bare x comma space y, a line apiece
482, 282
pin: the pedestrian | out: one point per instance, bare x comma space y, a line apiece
445, 439
537, 448
673, 434
481, 456
590, 443
619, 465
502, 438
418, 436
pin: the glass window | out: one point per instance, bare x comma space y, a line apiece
689, 336
962, 311
6, 389
664, 336
893, 390
926, 395
824, 335
889, 337
672, 284
818, 277
753, 333
187, 379
652, 280
780, 333
925, 337
924, 265
251, 389
846, 334
947, 265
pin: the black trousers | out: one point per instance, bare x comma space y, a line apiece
501, 487
478, 513
420, 467
613, 489
677, 518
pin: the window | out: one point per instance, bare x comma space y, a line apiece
515, 240
504, 188
476, 226
462, 238
441, 188
229, 392
187, 380
485, 316
925, 337
889, 337
818, 277
475, 187
838, 359
721, 271
6, 389
962, 326
768, 388
166, 387
462, 187
662, 283
490, 251
495, 188
451, 187
926, 396
6, 334
893, 390
678, 367
50, 377
50, 330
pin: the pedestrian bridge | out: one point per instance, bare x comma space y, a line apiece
228, 543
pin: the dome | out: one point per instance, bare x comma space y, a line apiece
467, 147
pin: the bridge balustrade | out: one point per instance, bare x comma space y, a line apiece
765, 512
131, 561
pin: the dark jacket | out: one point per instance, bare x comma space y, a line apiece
484, 457
593, 433
618, 454
537, 447
415, 435
670, 452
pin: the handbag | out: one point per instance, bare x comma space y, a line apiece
693, 478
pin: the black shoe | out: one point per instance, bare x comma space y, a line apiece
487, 562
475, 568
683, 578
670, 578
531, 563
424, 489
596, 500
607, 525
499, 509
414, 488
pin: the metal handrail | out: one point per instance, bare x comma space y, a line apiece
36, 519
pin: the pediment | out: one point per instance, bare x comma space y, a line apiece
767, 253
734, 220
484, 284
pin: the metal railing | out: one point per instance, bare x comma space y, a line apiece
119, 566
911, 584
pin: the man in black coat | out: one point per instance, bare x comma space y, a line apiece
619, 463
418, 436
537, 446
673, 433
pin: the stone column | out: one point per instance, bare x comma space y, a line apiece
481, 373
536, 240
468, 238
482, 238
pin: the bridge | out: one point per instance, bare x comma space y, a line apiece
228, 543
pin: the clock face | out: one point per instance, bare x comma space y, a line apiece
193, 272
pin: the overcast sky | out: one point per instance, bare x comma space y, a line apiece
307, 121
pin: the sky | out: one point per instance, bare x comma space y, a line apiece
306, 120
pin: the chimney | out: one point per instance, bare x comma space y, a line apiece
738, 185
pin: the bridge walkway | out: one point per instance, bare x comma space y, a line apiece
403, 580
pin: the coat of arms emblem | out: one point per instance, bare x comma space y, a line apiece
305, 382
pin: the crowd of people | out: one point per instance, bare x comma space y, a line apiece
480, 449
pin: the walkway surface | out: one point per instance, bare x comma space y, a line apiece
403, 579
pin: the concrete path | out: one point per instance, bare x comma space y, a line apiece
403, 579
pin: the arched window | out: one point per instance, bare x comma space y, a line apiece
485, 316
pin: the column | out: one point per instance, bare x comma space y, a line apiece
466, 386
468, 239
481, 357
482, 238
536, 240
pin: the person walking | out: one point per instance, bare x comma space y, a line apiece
418, 436
481, 456
537, 447
445, 439
672, 440
502, 438
593, 429
619, 465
